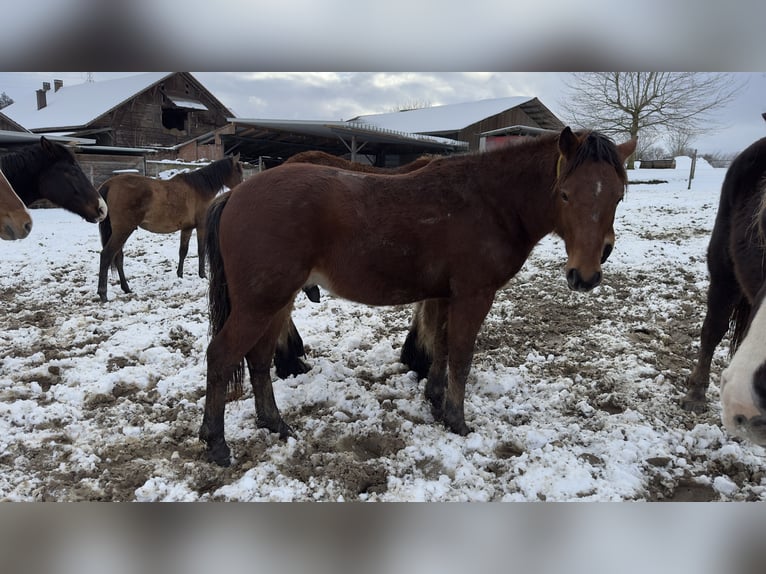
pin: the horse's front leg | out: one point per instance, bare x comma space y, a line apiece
183, 250
464, 319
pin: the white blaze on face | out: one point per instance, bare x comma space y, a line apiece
596, 192
738, 397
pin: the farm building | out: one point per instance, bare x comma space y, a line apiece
122, 121
393, 138
467, 121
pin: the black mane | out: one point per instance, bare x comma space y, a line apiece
596, 147
211, 178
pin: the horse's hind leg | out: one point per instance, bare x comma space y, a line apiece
183, 250
435, 331
259, 365
289, 350
111, 254
225, 363
119, 259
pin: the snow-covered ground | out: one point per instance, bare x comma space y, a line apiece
572, 396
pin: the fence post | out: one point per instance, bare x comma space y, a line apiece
691, 170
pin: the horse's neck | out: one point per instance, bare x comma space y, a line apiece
22, 172
204, 180
523, 194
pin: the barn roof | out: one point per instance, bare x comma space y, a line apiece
455, 117
283, 138
77, 106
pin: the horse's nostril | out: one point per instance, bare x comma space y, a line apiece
740, 420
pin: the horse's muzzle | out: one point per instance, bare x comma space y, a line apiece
753, 428
578, 283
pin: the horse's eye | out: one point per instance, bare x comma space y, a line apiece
564, 196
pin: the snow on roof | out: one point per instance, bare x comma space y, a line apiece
447, 118
80, 104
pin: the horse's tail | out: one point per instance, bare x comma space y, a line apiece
740, 319
105, 226
219, 305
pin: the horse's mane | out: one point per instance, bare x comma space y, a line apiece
210, 178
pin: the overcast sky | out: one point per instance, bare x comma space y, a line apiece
341, 95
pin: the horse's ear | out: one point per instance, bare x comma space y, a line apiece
46, 144
236, 158
568, 142
627, 148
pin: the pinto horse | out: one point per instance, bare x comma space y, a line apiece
15, 221
735, 261
454, 231
49, 170
160, 206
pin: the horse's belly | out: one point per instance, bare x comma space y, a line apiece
164, 224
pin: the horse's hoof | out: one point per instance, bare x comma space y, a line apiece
103, 297
218, 452
223, 460
694, 405
280, 427
461, 429
295, 367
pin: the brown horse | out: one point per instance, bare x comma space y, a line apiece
735, 257
48, 170
321, 158
290, 349
160, 206
15, 221
454, 231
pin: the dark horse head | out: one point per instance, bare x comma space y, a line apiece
49, 170
591, 181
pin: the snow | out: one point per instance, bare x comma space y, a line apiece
77, 105
434, 119
104, 401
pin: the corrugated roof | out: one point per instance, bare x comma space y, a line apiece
76, 106
441, 119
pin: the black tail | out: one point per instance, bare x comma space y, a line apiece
105, 226
219, 305
739, 322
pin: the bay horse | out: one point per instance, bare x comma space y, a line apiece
322, 158
49, 170
160, 206
454, 231
15, 221
290, 348
735, 262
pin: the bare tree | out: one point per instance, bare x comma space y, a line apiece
679, 142
632, 103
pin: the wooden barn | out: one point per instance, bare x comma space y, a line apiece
395, 138
125, 120
468, 121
